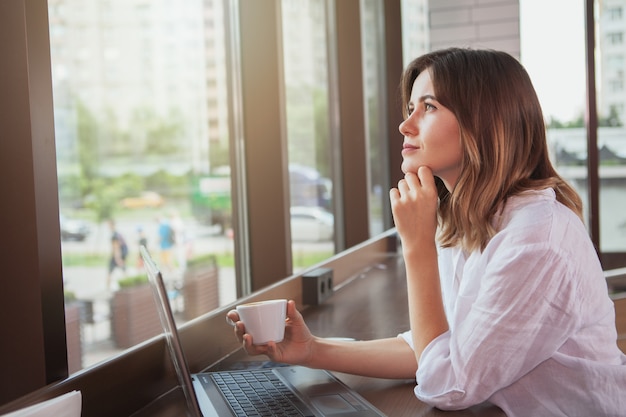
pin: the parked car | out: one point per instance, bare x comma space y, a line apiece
311, 224
147, 199
73, 229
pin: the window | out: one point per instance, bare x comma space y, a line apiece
615, 62
611, 117
372, 36
415, 33
615, 38
616, 85
564, 108
142, 140
309, 145
563, 105
614, 13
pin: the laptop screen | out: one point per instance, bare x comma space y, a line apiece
171, 333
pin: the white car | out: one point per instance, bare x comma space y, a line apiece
311, 224
73, 229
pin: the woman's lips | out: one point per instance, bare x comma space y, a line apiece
408, 148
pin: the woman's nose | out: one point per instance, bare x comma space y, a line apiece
408, 127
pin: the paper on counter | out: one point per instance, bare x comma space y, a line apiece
66, 405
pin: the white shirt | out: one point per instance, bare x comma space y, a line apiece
531, 325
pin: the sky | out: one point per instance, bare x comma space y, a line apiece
553, 52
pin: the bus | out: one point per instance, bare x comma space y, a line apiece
211, 194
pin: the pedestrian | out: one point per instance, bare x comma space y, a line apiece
142, 240
181, 241
166, 242
119, 252
507, 299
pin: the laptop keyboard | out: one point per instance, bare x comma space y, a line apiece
259, 393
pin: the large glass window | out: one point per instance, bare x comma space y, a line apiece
611, 109
308, 133
556, 65
415, 31
372, 38
562, 92
143, 158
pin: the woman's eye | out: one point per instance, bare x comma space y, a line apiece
428, 106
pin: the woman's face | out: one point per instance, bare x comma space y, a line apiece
431, 134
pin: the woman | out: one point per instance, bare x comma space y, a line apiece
507, 299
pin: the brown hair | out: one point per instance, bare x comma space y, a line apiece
503, 136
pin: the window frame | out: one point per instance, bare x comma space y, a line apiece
32, 301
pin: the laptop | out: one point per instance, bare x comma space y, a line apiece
271, 389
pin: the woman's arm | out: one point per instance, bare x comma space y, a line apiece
383, 358
414, 207
426, 313
389, 358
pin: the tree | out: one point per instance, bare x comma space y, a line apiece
87, 137
156, 135
612, 120
555, 123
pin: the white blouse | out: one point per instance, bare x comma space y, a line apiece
532, 328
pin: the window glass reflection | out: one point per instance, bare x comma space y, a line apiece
142, 155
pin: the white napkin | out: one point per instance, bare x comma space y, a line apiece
66, 405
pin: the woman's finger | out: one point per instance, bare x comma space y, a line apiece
293, 315
426, 178
230, 321
394, 195
403, 186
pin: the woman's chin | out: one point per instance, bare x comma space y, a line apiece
408, 168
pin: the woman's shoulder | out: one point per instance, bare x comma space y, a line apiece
536, 218
536, 209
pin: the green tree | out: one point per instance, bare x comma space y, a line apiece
156, 135
105, 195
612, 120
322, 142
87, 137
555, 123
219, 154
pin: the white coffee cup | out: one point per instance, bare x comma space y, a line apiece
264, 320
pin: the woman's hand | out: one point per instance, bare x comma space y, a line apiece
383, 358
414, 207
296, 348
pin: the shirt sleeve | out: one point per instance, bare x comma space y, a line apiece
520, 315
